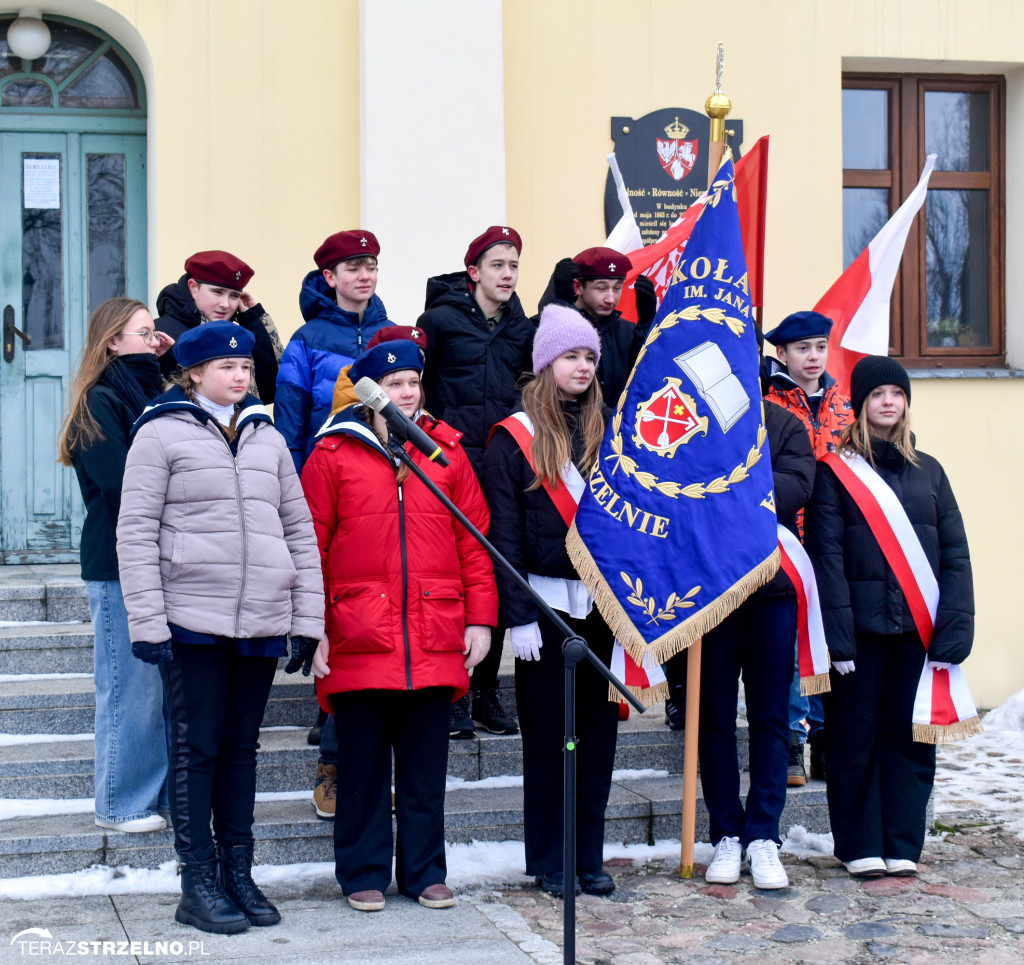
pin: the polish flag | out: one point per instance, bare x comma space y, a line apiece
659, 261
858, 302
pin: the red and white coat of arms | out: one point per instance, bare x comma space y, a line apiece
667, 420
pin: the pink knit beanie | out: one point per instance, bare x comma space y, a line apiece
562, 329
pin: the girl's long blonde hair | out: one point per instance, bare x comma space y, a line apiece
856, 437
552, 446
80, 429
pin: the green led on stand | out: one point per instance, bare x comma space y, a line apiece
571, 746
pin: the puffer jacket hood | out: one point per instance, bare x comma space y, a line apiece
176, 301
403, 579
317, 300
214, 540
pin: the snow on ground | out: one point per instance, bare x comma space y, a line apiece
8, 678
980, 778
9, 740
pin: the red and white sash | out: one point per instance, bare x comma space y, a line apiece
647, 683
812, 651
943, 708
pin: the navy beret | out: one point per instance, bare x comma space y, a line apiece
219, 268
495, 235
798, 326
214, 340
386, 357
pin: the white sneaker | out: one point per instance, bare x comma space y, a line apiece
152, 822
765, 867
866, 867
725, 865
900, 867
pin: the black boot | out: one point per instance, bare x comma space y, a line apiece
204, 903
236, 867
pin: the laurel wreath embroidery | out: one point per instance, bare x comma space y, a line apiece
671, 488
650, 606
691, 313
717, 187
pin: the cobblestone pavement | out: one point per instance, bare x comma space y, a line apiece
966, 907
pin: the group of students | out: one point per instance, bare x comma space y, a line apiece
215, 536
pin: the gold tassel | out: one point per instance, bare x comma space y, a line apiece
679, 637
648, 696
949, 733
819, 683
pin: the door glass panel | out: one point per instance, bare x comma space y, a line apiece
9, 64
27, 93
866, 129
106, 227
107, 84
956, 231
42, 252
69, 46
956, 129
865, 210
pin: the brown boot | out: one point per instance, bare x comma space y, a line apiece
325, 792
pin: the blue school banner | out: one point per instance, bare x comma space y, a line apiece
677, 525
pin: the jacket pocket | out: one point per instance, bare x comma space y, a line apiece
444, 614
359, 617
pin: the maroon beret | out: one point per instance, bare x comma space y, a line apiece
495, 235
410, 333
602, 263
219, 268
345, 245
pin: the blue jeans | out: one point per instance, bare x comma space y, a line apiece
131, 738
804, 707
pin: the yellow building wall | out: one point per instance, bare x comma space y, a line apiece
569, 71
254, 133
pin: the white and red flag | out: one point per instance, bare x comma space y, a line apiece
858, 301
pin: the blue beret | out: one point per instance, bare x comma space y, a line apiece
214, 340
386, 357
798, 326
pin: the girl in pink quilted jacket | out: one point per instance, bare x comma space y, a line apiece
219, 565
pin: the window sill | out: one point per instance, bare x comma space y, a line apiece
979, 373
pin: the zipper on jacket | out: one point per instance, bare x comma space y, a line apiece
405, 589
245, 541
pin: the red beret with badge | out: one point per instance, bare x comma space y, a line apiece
219, 268
495, 235
602, 263
345, 245
408, 333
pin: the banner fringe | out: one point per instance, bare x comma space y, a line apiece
819, 683
648, 696
947, 733
678, 638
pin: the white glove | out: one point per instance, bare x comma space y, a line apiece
526, 641
843, 667
323, 650
940, 666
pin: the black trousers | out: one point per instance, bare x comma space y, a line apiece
373, 724
540, 698
879, 777
215, 700
757, 641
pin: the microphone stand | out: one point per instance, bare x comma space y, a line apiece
574, 649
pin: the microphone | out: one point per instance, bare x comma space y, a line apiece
399, 424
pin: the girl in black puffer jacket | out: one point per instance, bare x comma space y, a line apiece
879, 778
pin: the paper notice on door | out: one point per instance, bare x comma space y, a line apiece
42, 182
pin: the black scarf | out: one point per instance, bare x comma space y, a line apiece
136, 378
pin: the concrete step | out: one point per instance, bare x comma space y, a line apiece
289, 831
65, 769
56, 596
47, 648
67, 705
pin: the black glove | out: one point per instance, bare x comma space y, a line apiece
562, 278
646, 302
153, 652
303, 649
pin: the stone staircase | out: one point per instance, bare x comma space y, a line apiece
46, 690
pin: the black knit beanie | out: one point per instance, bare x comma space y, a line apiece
871, 372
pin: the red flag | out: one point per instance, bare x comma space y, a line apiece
658, 261
858, 301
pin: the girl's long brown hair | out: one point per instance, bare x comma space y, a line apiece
552, 447
80, 429
856, 437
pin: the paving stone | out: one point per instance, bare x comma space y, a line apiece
884, 887
783, 910
881, 950
864, 930
828, 904
719, 891
1015, 926
958, 893
939, 930
737, 943
796, 933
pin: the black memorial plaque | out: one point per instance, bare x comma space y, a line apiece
663, 157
